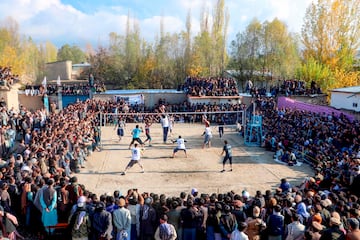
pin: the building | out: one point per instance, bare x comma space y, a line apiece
67, 71
347, 98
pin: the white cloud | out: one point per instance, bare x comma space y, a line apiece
62, 23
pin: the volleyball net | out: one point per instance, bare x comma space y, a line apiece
230, 119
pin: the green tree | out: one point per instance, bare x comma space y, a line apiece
71, 53
331, 36
246, 52
280, 51
264, 48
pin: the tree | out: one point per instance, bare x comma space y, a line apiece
71, 53
330, 35
281, 57
246, 50
50, 52
264, 48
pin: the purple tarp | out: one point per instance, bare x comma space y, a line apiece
284, 102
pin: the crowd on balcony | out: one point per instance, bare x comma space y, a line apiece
66, 89
288, 87
7, 78
211, 86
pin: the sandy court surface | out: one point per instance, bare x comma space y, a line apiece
253, 168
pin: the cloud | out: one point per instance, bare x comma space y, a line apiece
77, 23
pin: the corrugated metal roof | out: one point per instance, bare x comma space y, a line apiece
353, 89
137, 91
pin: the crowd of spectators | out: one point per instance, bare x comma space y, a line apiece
286, 88
211, 86
52, 147
7, 78
66, 89
297, 87
36, 146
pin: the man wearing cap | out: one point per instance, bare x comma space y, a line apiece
194, 192
238, 211
255, 224
227, 222
122, 220
333, 232
325, 214
314, 231
79, 222
102, 222
148, 220
165, 231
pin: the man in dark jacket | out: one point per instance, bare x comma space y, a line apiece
102, 222
275, 223
188, 219
148, 223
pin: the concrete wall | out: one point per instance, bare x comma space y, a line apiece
150, 99
55, 69
31, 102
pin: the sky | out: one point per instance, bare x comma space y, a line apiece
79, 22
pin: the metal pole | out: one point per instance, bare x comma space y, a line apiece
100, 126
60, 101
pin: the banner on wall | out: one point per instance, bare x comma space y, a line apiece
130, 99
284, 102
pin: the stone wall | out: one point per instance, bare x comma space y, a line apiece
55, 69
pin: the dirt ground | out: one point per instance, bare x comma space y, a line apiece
253, 168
